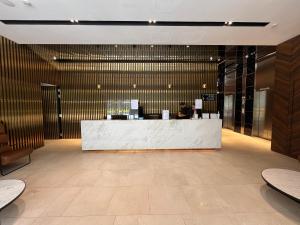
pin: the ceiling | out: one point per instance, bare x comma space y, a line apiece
283, 14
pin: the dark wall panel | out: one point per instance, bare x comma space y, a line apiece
221, 80
50, 112
286, 104
21, 72
249, 92
238, 90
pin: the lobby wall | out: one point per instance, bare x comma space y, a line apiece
21, 74
286, 101
92, 75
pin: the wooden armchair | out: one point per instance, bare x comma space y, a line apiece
9, 156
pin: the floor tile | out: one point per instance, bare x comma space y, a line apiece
167, 200
161, 219
90, 201
210, 219
17, 221
129, 201
205, 200
65, 186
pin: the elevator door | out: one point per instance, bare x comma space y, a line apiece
228, 112
262, 118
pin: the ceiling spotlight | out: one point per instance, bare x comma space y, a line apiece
98, 86
151, 46
76, 21
134, 85
116, 46
8, 3
219, 59
204, 86
72, 21
211, 58
169, 86
54, 58
187, 46
246, 56
154, 21
228, 23
150, 21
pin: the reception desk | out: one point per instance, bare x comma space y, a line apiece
151, 134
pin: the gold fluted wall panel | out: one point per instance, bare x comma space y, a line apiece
87, 66
21, 72
117, 69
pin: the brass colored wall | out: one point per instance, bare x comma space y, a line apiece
117, 69
21, 72
81, 68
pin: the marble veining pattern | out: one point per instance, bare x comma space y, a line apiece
150, 134
9, 190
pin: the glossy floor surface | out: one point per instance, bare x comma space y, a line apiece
68, 187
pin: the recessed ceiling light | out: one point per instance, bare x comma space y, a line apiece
76, 21
204, 86
8, 3
151, 46
187, 46
154, 21
228, 23
211, 58
246, 56
169, 86
116, 46
134, 85
54, 58
150, 21
72, 21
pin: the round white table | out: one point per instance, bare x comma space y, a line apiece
284, 181
10, 190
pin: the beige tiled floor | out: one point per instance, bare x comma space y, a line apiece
68, 187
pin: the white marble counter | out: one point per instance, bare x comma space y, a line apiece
151, 134
9, 191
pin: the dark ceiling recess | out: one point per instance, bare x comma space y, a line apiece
135, 23
132, 61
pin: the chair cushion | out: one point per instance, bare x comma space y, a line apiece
8, 157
